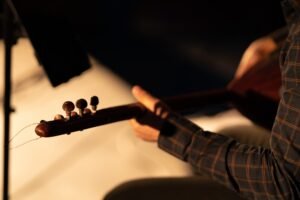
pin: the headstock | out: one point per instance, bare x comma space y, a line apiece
85, 117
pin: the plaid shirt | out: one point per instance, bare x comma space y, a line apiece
253, 172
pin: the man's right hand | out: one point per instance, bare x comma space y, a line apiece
257, 51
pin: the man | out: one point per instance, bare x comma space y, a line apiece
252, 172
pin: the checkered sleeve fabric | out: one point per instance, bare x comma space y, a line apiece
253, 172
279, 35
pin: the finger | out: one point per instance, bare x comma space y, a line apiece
144, 132
144, 97
161, 110
139, 127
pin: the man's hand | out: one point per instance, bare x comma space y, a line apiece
257, 51
145, 132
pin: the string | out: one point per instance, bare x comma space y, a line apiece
11, 139
15, 147
20, 131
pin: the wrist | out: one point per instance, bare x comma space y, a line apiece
279, 35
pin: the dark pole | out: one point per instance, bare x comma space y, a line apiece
8, 42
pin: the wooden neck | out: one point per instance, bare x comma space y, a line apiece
183, 103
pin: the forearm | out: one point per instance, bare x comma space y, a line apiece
251, 171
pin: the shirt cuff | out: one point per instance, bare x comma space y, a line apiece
279, 35
176, 136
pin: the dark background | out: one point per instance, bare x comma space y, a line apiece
167, 46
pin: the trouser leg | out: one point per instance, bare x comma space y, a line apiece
192, 188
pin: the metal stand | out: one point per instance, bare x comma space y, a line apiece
9, 41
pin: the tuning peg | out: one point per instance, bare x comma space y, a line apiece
58, 117
81, 104
74, 114
68, 107
87, 111
94, 102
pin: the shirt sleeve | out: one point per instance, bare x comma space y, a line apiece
279, 36
253, 172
